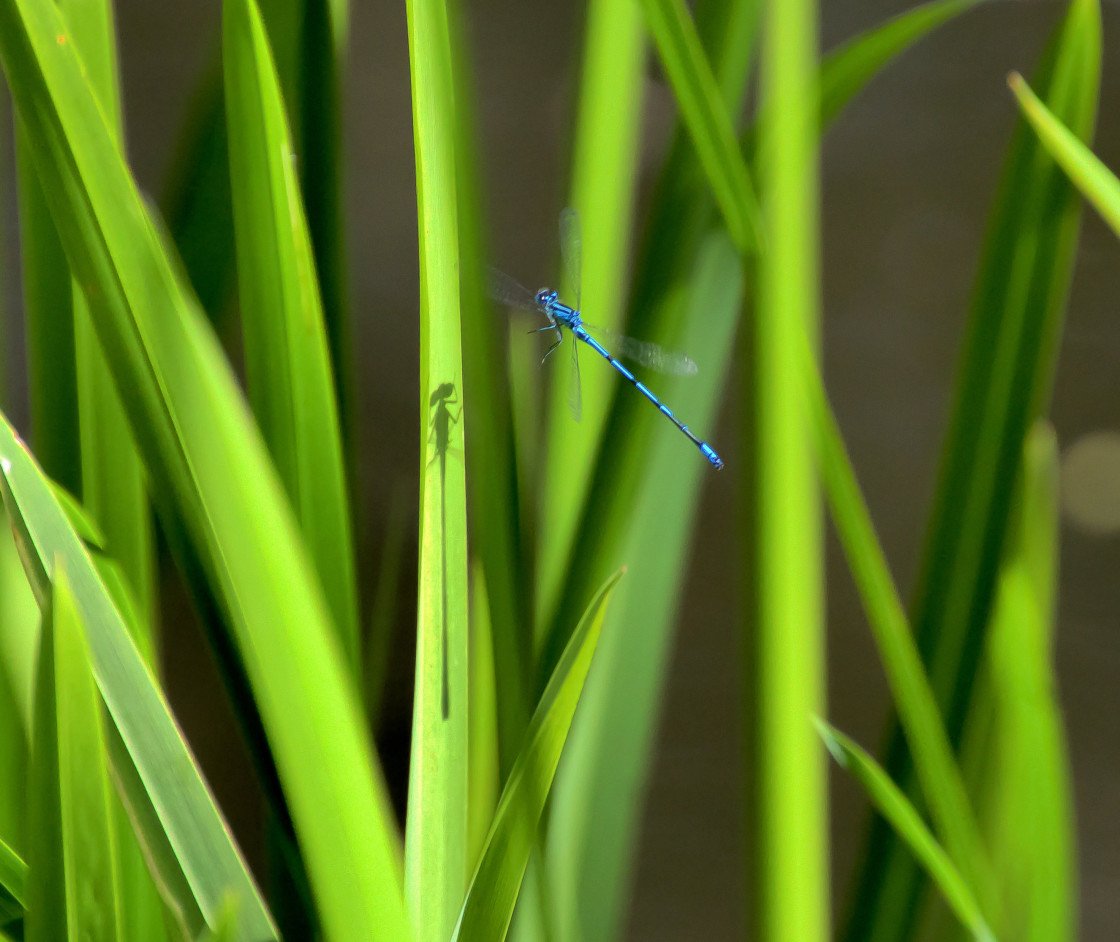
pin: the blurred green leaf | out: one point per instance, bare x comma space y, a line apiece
1095, 181
706, 116
1029, 803
187, 841
846, 70
436, 828
287, 361
1004, 383
489, 904
784, 532
934, 760
73, 887
908, 824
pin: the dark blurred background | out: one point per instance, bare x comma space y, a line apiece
908, 175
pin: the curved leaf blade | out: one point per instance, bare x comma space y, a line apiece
489, 904
908, 824
1095, 181
288, 363
73, 886
188, 841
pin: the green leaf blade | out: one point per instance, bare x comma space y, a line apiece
1095, 181
188, 841
288, 361
74, 887
489, 904
908, 824
436, 829
785, 534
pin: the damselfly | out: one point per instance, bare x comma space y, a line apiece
547, 301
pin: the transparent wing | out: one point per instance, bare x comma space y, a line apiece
571, 249
505, 290
575, 393
644, 353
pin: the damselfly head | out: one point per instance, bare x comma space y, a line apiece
546, 297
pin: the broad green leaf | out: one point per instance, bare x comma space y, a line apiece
207, 461
187, 840
1004, 382
13, 884
604, 176
1029, 803
1095, 181
783, 530
907, 823
436, 829
73, 888
287, 361
489, 904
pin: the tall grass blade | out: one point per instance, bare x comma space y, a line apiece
73, 888
188, 842
940, 779
1003, 384
604, 164
489, 903
207, 459
706, 117
908, 824
497, 535
436, 832
787, 543
287, 361
1095, 181
308, 39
